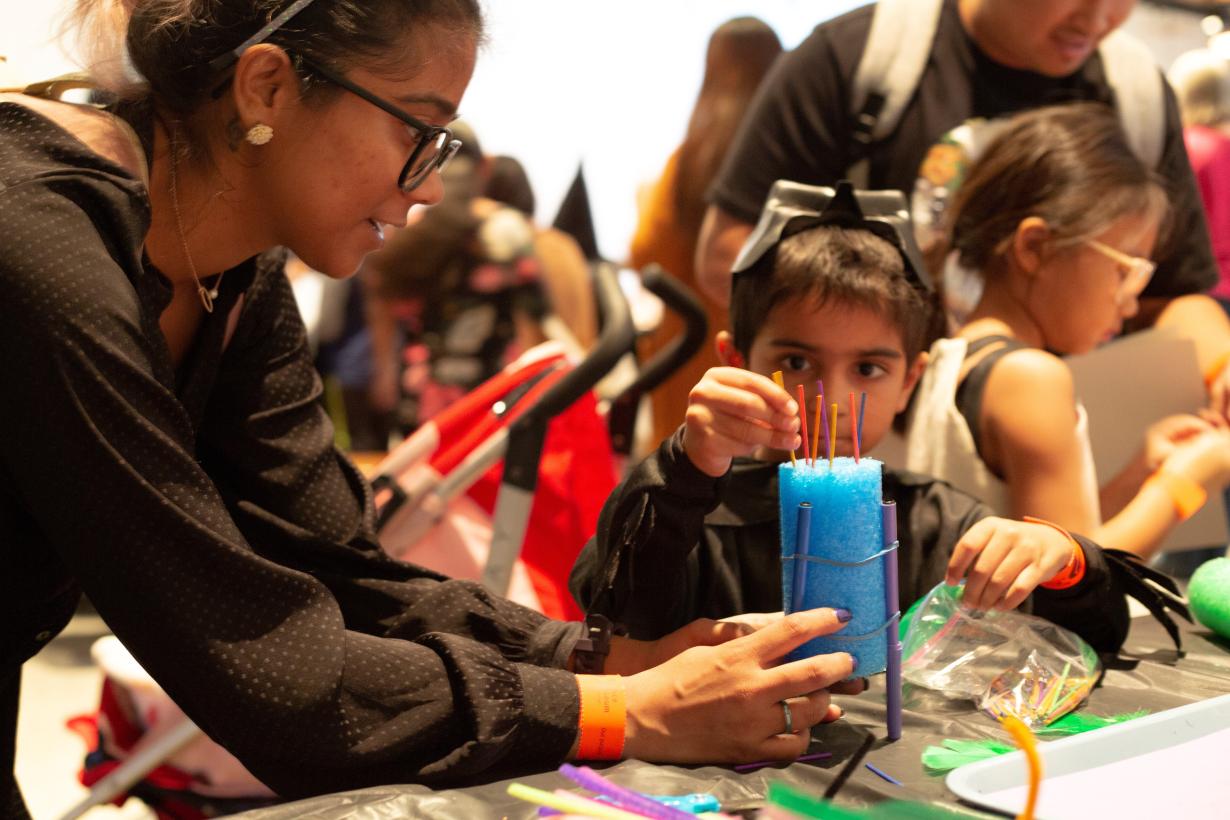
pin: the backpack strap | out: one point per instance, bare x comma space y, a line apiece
898, 47
1140, 96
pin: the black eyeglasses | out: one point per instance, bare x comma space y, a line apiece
435, 145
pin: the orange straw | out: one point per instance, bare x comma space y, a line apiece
777, 377
803, 419
854, 426
815, 431
833, 437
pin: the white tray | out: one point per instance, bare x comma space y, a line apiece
1174, 764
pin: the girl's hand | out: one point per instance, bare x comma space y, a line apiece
723, 704
1002, 561
1204, 459
1163, 436
732, 412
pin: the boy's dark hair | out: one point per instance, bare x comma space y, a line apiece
829, 264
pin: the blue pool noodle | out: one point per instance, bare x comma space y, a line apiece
846, 526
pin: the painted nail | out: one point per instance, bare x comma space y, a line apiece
843, 615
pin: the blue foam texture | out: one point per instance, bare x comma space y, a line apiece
846, 525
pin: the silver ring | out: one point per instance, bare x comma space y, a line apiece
789, 730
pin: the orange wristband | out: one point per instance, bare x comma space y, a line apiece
1188, 496
1074, 571
604, 717
1214, 370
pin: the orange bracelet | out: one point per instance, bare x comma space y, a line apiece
604, 717
1074, 571
1187, 495
1214, 370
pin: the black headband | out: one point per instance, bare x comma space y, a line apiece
793, 207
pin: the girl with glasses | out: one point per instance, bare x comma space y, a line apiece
1061, 219
164, 448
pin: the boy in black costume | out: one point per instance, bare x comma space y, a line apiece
824, 292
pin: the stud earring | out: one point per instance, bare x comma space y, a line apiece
259, 134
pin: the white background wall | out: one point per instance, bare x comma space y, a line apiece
564, 81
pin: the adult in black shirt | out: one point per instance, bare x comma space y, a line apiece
165, 450
989, 58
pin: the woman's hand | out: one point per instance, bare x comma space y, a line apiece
723, 704
1002, 561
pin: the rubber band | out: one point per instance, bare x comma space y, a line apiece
604, 717
1074, 571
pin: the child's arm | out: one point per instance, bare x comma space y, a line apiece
1030, 439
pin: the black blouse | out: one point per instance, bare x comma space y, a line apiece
207, 515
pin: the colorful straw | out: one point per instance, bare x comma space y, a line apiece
802, 394
815, 429
854, 427
884, 774
824, 422
832, 440
569, 803
862, 405
623, 798
777, 377
747, 767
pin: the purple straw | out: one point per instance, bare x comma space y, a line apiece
824, 417
747, 767
892, 683
884, 775
621, 797
862, 405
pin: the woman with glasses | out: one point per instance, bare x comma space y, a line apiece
164, 449
1060, 218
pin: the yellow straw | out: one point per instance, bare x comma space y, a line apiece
1025, 739
833, 429
569, 803
777, 377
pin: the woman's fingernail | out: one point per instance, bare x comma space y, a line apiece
866, 684
843, 615
853, 663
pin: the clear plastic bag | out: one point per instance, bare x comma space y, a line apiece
1006, 662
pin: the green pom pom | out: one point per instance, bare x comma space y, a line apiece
1208, 595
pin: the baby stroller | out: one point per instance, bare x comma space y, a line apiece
443, 502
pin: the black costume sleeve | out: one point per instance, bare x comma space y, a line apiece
259, 602
635, 570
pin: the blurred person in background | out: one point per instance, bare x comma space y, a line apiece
739, 55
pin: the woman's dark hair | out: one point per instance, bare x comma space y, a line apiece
507, 182
168, 44
1069, 164
740, 54
832, 265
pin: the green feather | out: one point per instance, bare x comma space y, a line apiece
1074, 723
953, 753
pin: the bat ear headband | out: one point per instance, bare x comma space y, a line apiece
793, 207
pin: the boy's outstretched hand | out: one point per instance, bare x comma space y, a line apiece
732, 412
1002, 561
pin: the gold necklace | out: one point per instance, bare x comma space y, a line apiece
207, 295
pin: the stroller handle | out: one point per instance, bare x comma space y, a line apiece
615, 340
681, 299
621, 418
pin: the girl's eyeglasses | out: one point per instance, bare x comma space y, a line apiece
1137, 270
